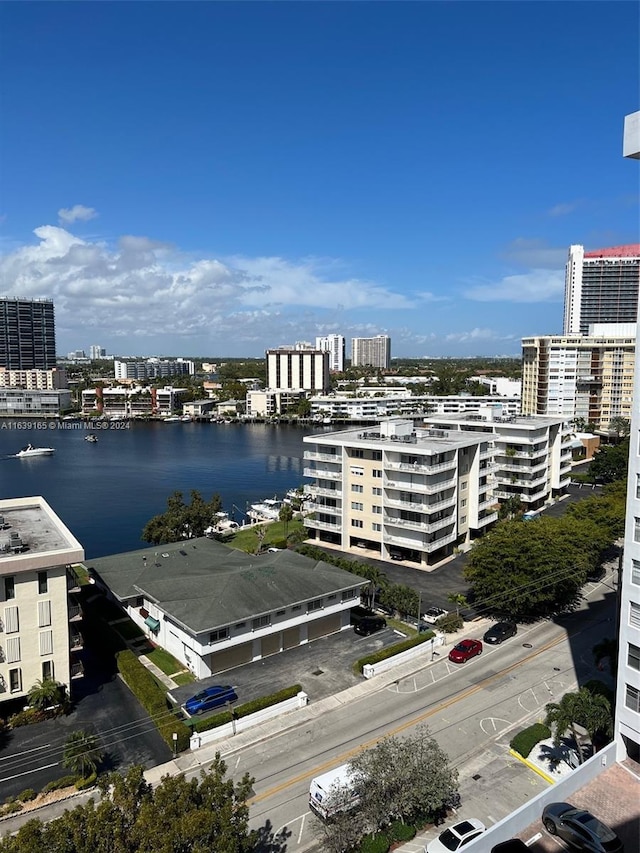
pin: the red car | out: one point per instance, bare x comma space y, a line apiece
465, 650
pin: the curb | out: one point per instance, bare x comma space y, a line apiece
46, 805
532, 766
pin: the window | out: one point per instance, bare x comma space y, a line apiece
46, 642
261, 622
376, 527
332, 597
356, 505
377, 473
357, 487
220, 634
633, 656
317, 604
357, 522
241, 625
377, 491
280, 612
638, 485
11, 620
377, 510
9, 587
463, 519
13, 649
632, 698
358, 453
463, 502
635, 572
463, 484
43, 586
15, 680
634, 614
357, 471
348, 594
297, 607
44, 613
377, 455
139, 601
636, 530
47, 670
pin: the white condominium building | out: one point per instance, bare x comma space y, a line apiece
298, 370
335, 346
34, 380
601, 287
580, 377
371, 352
532, 454
400, 492
38, 613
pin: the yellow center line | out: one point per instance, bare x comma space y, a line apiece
346, 756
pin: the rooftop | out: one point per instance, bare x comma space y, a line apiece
630, 251
203, 584
33, 537
430, 441
523, 421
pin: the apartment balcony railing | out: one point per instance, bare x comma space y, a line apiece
490, 500
487, 519
316, 524
322, 457
564, 482
417, 545
321, 491
320, 507
489, 468
421, 468
73, 584
524, 469
488, 454
422, 507
417, 524
75, 612
425, 488
322, 474
76, 642
77, 670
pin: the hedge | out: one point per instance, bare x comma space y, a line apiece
153, 699
89, 782
62, 782
248, 708
525, 740
450, 623
378, 843
26, 795
390, 651
399, 831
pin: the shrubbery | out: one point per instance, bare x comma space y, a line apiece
377, 843
390, 651
450, 623
10, 808
27, 717
89, 782
248, 708
26, 795
62, 782
525, 740
153, 699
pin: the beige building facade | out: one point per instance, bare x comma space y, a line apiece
33, 380
400, 492
39, 615
579, 377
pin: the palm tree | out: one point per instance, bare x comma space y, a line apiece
82, 753
46, 693
591, 712
285, 515
458, 599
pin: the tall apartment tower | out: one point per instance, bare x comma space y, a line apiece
371, 352
335, 346
627, 717
298, 370
601, 287
27, 334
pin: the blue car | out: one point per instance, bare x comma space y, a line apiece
211, 697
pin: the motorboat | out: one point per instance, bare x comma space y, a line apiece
30, 450
186, 419
268, 509
222, 528
91, 438
172, 419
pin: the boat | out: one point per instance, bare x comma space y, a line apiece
30, 450
266, 510
91, 438
172, 419
222, 528
186, 419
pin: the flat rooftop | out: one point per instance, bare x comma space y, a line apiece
32, 537
477, 419
425, 440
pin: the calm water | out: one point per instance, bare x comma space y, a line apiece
107, 491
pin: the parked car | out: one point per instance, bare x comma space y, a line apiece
433, 614
365, 621
500, 631
513, 845
465, 650
456, 836
211, 697
580, 829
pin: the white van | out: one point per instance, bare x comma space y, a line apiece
331, 792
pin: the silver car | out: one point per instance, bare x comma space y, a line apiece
580, 829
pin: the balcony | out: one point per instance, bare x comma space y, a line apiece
320, 507
316, 524
425, 488
419, 524
417, 545
76, 669
75, 641
73, 584
418, 468
322, 492
322, 474
422, 507
487, 519
322, 457
75, 612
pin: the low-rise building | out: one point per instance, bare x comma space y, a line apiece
132, 402
152, 368
22, 403
272, 402
378, 404
399, 491
39, 615
34, 380
214, 608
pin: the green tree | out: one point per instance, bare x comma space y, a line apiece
285, 516
181, 520
458, 599
510, 508
82, 753
610, 463
583, 709
620, 427
46, 693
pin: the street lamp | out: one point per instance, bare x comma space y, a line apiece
175, 744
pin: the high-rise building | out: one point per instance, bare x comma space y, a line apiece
335, 346
580, 377
371, 352
27, 334
298, 370
601, 287
97, 352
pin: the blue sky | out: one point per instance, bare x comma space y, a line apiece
219, 178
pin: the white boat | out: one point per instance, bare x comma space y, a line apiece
268, 509
91, 438
30, 450
186, 419
222, 527
172, 419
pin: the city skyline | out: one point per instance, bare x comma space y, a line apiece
300, 170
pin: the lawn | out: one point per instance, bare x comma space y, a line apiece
164, 661
247, 540
184, 678
128, 630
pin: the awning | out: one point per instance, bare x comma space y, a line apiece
152, 623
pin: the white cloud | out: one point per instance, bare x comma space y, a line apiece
476, 334
537, 285
564, 208
143, 288
69, 215
535, 254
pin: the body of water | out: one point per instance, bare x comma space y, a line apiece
106, 491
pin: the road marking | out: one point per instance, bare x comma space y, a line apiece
24, 752
301, 829
493, 721
414, 721
28, 772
